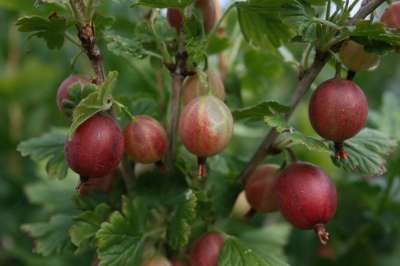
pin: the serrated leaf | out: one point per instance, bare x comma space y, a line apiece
179, 228
86, 225
97, 101
50, 149
162, 3
50, 238
367, 152
269, 24
51, 30
236, 253
259, 111
120, 240
289, 136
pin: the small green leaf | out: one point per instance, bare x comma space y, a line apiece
48, 148
236, 253
83, 231
259, 111
120, 240
97, 101
51, 30
50, 238
179, 228
162, 3
367, 152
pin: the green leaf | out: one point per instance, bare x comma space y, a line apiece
269, 24
162, 3
289, 136
97, 101
259, 111
237, 253
120, 240
52, 237
86, 225
48, 148
179, 228
374, 36
51, 29
367, 152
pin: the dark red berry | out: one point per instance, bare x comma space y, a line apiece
307, 197
355, 58
96, 148
145, 139
66, 85
391, 16
260, 188
103, 184
206, 250
175, 18
338, 110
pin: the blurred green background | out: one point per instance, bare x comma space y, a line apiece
366, 228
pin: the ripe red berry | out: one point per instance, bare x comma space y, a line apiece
206, 127
391, 16
175, 18
193, 88
306, 197
96, 148
355, 58
206, 250
145, 139
338, 111
157, 261
66, 85
103, 184
260, 188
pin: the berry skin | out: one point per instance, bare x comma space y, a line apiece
157, 261
338, 110
96, 148
145, 139
66, 85
175, 18
391, 16
260, 188
206, 250
193, 88
355, 58
209, 12
307, 197
241, 207
206, 126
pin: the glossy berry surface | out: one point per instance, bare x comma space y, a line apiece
306, 196
206, 126
355, 58
260, 188
338, 110
145, 139
193, 88
96, 148
206, 250
157, 261
175, 18
66, 85
391, 16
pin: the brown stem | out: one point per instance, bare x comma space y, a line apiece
302, 87
202, 172
351, 75
322, 234
340, 152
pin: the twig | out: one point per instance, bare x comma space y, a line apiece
302, 87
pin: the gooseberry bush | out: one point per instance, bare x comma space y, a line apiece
157, 181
